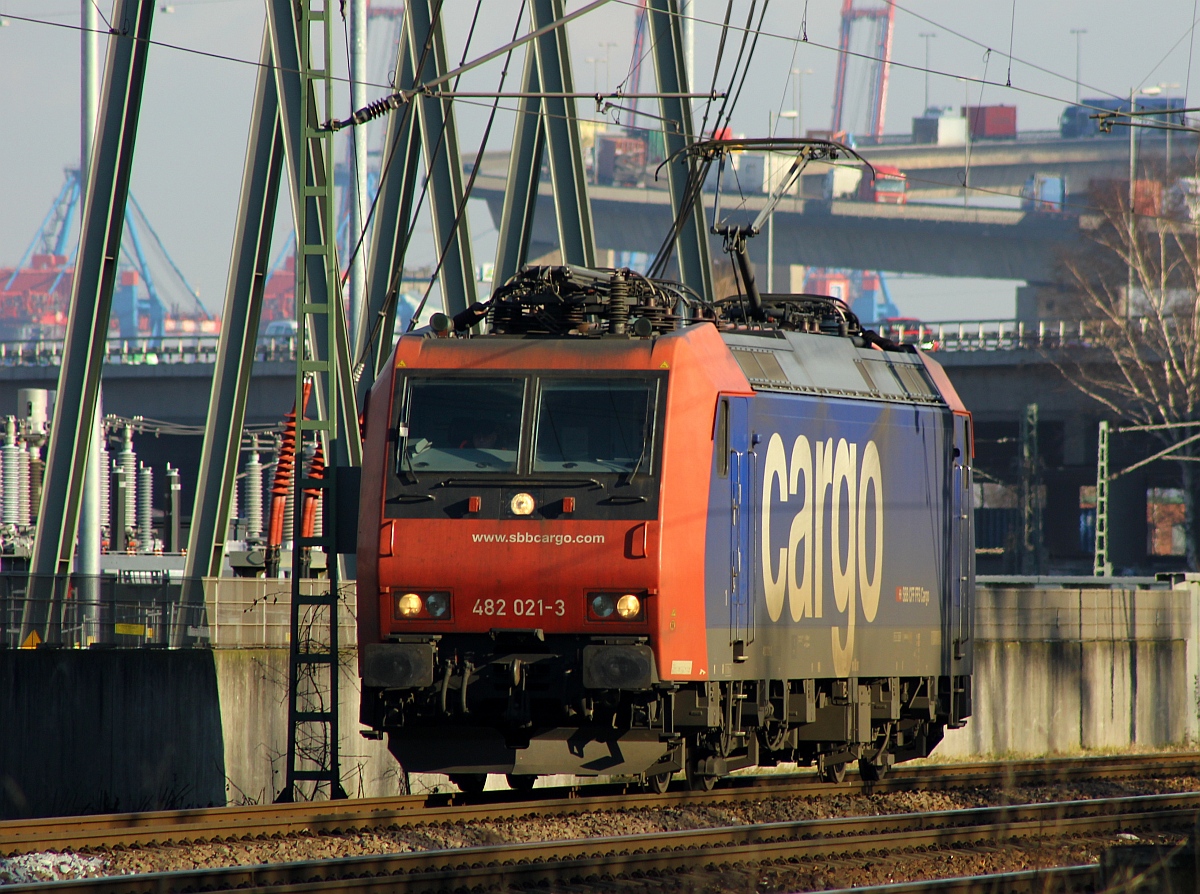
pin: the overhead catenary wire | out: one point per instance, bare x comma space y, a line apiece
392, 292
788, 83
1012, 31
697, 19
698, 169
1188, 32
462, 204
909, 66
386, 165
255, 63
725, 27
982, 45
1187, 83
401, 97
716, 67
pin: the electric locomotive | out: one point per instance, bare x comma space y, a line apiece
627, 532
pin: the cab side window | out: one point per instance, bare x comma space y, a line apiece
721, 444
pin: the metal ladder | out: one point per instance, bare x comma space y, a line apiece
312, 754
1102, 567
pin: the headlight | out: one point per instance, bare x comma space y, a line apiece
522, 504
602, 605
424, 605
409, 605
437, 604
616, 606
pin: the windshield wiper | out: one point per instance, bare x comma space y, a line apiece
647, 424
519, 480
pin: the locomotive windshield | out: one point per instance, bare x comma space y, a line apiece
570, 425
462, 424
594, 425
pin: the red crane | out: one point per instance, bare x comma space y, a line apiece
882, 19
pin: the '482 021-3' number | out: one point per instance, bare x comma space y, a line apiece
521, 608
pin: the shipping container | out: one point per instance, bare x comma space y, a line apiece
940, 130
1147, 195
991, 122
620, 160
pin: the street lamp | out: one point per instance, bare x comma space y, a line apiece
798, 96
595, 60
771, 119
769, 186
928, 35
608, 45
1078, 32
1168, 118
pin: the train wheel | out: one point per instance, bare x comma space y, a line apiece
520, 783
469, 783
871, 771
698, 783
658, 783
830, 772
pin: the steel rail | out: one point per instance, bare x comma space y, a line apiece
603, 859
1061, 880
161, 827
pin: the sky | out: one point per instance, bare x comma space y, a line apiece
191, 140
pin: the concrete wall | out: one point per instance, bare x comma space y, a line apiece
253, 691
90, 731
1067, 669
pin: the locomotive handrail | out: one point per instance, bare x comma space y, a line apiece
1004, 335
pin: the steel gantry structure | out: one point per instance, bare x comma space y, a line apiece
102, 226
291, 130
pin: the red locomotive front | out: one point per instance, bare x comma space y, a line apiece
522, 606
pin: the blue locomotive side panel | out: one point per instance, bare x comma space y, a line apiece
830, 539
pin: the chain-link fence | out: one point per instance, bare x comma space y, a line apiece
140, 609
131, 609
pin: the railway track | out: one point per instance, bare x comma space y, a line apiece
226, 823
790, 845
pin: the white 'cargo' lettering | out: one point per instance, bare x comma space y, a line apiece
800, 590
813, 474
774, 585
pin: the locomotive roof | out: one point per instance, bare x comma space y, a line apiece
808, 363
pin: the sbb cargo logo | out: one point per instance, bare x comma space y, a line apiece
812, 478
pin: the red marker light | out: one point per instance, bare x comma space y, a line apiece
473, 504
568, 504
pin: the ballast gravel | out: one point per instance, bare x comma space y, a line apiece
631, 821
50, 867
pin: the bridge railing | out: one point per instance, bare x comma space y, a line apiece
999, 335
963, 335
142, 351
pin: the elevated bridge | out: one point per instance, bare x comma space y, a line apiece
1002, 166
921, 237
938, 240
